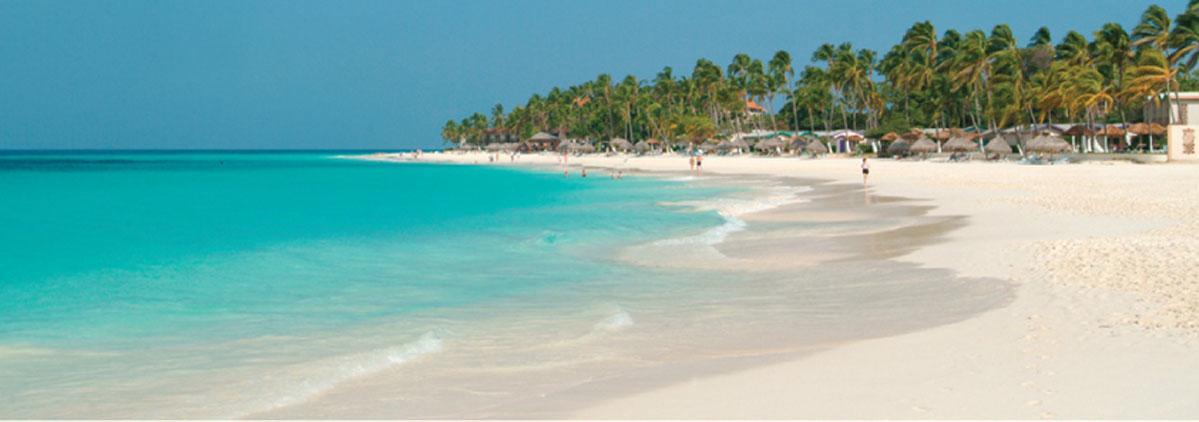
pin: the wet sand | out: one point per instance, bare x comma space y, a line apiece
1102, 323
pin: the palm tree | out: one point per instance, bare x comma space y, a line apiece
969, 71
1091, 93
1074, 49
951, 79
450, 132
497, 116
1114, 51
1149, 78
1040, 38
780, 75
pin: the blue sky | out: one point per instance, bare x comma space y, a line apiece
176, 74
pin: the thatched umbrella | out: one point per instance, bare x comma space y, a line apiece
1079, 130
510, 146
899, 147
770, 145
1139, 128
642, 146
1048, 144
815, 147
959, 144
1110, 131
797, 145
1151, 129
708, 145
999, 146
913, 134
494, 147
739, 144
620, 144
889, 136
923, 146
943, 135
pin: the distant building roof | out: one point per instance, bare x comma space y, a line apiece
752, 106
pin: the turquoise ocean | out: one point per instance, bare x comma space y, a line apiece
320, 285
141, 284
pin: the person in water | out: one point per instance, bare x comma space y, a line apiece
865, 170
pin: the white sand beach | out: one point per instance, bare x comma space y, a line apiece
1105, 323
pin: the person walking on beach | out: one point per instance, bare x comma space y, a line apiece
699, 163
691, 163
865, 170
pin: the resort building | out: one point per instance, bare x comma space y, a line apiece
753, 109
1180, 109
542, 142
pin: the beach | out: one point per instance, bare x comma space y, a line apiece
1102, 322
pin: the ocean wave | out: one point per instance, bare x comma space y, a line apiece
615, 322
300, 383
731, 208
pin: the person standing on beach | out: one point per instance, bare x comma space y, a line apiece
691, 162
865, 170
699, 163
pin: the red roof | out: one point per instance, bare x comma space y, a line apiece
752, 106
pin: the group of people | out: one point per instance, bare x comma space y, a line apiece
564, 161
696, 162
495, 157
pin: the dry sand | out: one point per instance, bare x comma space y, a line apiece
1105, 323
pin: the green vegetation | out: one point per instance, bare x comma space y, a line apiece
950, 79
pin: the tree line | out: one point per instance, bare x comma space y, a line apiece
929, 79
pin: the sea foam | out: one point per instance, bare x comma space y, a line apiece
731, 209
300, 383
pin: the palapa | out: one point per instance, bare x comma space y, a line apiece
960, 144
999, 146
1048, 144
899, 147
1079, 130
770, 144
815, 147
913, 134
620, 144
923, 146
1111, 131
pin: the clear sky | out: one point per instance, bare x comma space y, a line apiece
177, 74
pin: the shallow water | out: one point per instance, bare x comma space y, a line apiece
169, 275
284, 286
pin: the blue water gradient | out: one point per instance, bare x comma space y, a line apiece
124, 250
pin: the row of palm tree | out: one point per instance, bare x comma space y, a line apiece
929, 79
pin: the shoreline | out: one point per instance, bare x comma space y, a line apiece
1034, 357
